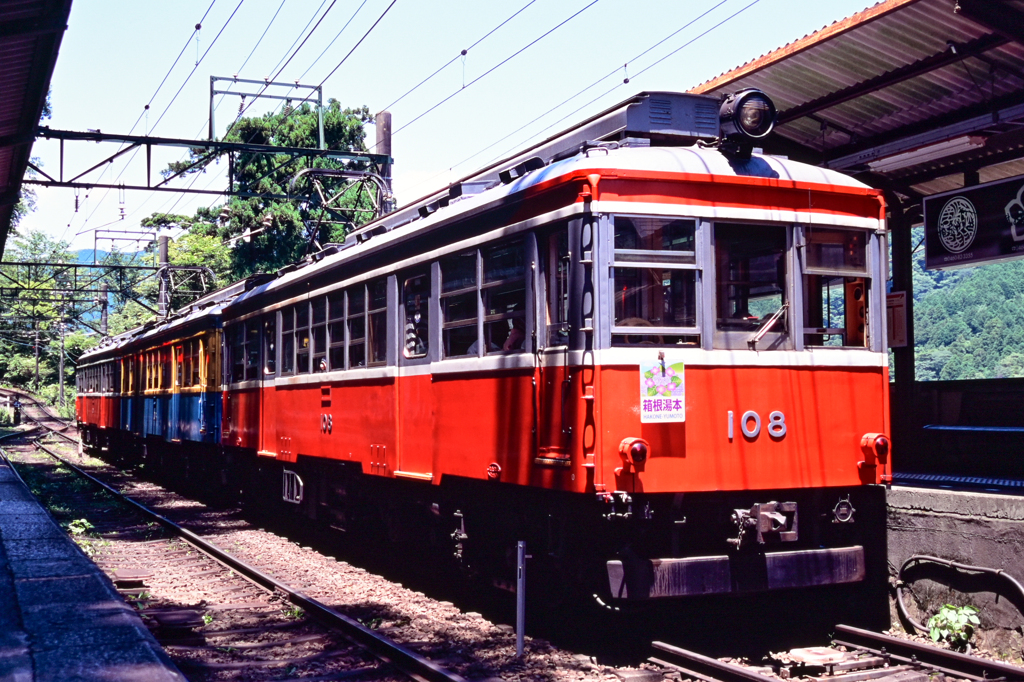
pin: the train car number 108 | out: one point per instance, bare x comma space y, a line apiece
750, 424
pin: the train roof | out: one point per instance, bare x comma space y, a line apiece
682, 161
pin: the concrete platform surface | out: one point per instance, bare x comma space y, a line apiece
61, 620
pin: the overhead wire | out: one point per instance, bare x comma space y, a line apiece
173, 99
144, 110
497, 66
463, 53
334, 40
339, 65
605, 93
594, 84
187, 78
264, 35
277, 73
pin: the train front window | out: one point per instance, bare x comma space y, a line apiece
654, 282
751, 270
835, 287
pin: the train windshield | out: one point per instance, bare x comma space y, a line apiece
737, 286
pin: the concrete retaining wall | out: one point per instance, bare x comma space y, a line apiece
974, 528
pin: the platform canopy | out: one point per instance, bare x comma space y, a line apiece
908, 95
30, 36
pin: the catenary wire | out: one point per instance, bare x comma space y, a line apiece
497, 66
591, 86
144, 110
343, 60
334, 40
169, 104
279, 70
460, 54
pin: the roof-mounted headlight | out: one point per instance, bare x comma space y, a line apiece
746, 116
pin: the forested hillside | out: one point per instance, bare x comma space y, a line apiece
969, 323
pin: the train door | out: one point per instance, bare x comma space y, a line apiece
268, 415
555, 407
415, 391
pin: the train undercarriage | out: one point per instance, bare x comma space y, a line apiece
613, 551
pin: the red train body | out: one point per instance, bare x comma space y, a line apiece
664, 366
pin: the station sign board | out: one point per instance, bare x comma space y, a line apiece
974, 225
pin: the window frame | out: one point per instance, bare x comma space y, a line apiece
789, 339
662, 259
869, 274
479, 288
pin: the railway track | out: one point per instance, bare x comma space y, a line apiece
218, 616
856, 655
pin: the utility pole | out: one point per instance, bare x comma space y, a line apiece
35, 327
164, 299
61, 370
104, 296
383, 147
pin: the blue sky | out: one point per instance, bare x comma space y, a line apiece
116, 53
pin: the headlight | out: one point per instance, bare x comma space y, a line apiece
749, 114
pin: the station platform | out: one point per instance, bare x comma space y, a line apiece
61, 620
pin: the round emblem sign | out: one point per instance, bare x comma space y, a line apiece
958, 224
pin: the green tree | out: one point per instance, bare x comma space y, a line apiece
279, 231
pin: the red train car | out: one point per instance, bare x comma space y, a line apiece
98, 402
651, 352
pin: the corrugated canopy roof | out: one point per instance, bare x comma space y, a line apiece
30, 35
907, 94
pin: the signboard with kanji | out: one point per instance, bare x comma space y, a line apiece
662, 389
973, 225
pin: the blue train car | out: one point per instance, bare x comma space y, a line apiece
195, 404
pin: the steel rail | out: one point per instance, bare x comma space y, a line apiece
943, 660
704, 667
388, 651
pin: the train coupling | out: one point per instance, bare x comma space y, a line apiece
768, 522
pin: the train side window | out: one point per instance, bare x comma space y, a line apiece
503, 293
165, 367
287, 341
357, 326
416, 303
178, 353
654, 282
336, 330
252, 349
460, 307
751, 271
319, 334
558, 288
302, 339
377, 321
270, 344
236, 351
835, 287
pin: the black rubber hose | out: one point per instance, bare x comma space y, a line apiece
949, 564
